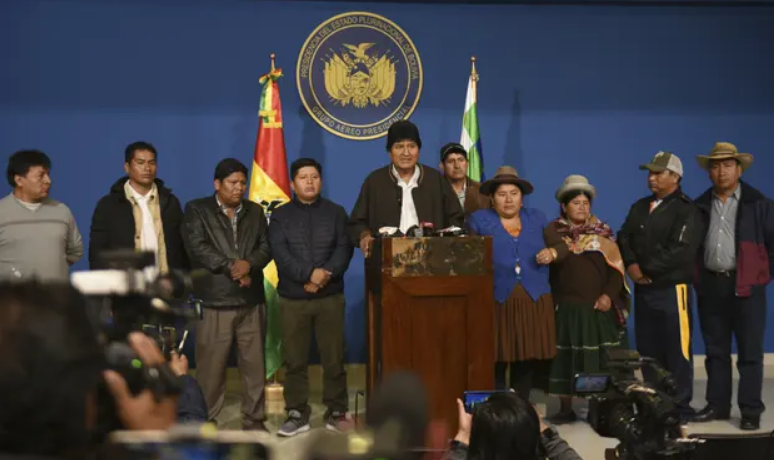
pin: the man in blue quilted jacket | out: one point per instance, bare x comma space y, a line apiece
309, 242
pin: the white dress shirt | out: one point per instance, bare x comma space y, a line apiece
408, 212
149, 240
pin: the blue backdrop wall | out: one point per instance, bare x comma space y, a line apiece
590, 89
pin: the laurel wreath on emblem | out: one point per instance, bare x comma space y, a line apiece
354, 77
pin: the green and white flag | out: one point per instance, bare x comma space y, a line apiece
470, 135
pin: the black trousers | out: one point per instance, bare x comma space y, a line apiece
522, 375
662, 327
722, 315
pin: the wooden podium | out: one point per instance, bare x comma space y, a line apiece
430, 310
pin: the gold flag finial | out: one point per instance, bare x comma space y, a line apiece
272, 61
473, 72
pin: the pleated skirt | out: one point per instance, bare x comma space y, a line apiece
583, 337
524, 328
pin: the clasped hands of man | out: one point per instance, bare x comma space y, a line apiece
240, 271
318, 280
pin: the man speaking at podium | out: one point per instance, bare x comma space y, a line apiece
403, 194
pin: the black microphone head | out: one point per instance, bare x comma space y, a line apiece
400, 402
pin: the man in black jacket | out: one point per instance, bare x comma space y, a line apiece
658, 243
403, 194
140, 213
311, 248
227, 236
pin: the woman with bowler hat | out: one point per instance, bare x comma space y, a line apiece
525, 336
589, 290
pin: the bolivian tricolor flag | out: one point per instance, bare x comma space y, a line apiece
270, 187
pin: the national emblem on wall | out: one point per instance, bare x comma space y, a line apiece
357, 73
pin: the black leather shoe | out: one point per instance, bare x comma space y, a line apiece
750, 423
708, 414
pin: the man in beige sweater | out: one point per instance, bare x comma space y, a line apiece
38, 235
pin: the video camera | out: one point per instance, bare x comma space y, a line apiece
643, 417
128, 297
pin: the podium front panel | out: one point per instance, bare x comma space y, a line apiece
433, 315
437, 256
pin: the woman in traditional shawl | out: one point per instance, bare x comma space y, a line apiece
588, 288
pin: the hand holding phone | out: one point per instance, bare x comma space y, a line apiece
471, 398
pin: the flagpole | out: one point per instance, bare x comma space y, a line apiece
474, 75
275, 402
274, 378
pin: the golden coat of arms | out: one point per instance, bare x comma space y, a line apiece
357, 78
357, 74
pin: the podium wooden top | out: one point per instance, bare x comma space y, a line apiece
437, 256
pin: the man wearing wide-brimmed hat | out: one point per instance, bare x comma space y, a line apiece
658, 243
403, 194
735, 265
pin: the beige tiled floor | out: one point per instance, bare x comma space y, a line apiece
579, 435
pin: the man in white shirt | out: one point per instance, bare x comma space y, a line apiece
140, 213
403, 194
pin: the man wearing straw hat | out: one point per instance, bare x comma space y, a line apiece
735, 265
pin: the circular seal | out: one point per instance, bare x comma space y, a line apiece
357, 73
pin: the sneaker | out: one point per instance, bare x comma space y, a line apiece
336, 421
295, 424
